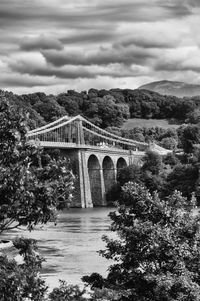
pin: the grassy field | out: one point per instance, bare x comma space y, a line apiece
139, 122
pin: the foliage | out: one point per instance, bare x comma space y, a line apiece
133, 173
152, 162
154, 182
66, 292
169, 143
130, 173
105, 111
170, 159
104, 294
194, 116
167, 138
105, 107
32, 187
49, 109
70, 103
19, 282
29, 192
189, 136
149, 104
137, 133
161, 174
184, 178
157, 253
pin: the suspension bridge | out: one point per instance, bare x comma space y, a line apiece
96, 155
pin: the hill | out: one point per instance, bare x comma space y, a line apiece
179, 89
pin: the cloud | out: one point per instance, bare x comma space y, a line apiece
184, 59
193, 3
147, 42
176, 8
14, 80
42, 13
91, 36
82, 42
102, 56
158, 35
40, 42
38, 67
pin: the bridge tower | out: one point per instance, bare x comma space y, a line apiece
83, 177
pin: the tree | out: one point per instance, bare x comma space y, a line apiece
170, 159
154, 182
30, 193
189, 136
105, 111
48, 108
126, 174
67, 292
129, 173
184, 178
136, 134
157, 253
70, 103
169, 143
152, 162
194, 116
19, 282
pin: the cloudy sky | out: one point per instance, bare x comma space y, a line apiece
57, 45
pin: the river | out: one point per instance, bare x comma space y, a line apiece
71, 247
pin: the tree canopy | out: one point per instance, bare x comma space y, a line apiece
157, 253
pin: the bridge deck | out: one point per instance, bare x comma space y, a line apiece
103, 149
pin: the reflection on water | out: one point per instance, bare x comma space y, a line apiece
70, 248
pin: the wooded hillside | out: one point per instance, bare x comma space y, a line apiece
106, 108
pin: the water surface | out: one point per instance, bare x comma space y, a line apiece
70, 248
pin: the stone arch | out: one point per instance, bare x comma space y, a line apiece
95, 180
121, 163
108, 173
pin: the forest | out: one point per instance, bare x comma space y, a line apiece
106, 108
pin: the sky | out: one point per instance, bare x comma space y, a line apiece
58, 45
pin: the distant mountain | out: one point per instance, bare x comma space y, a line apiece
178, 89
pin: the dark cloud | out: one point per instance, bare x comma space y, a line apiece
149, 42
144, 11
178, 65
41, 42
168, 66
93, 36
193, 3
24, 68
36, 13
73, 72
14, 80
176, 8
103, 56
